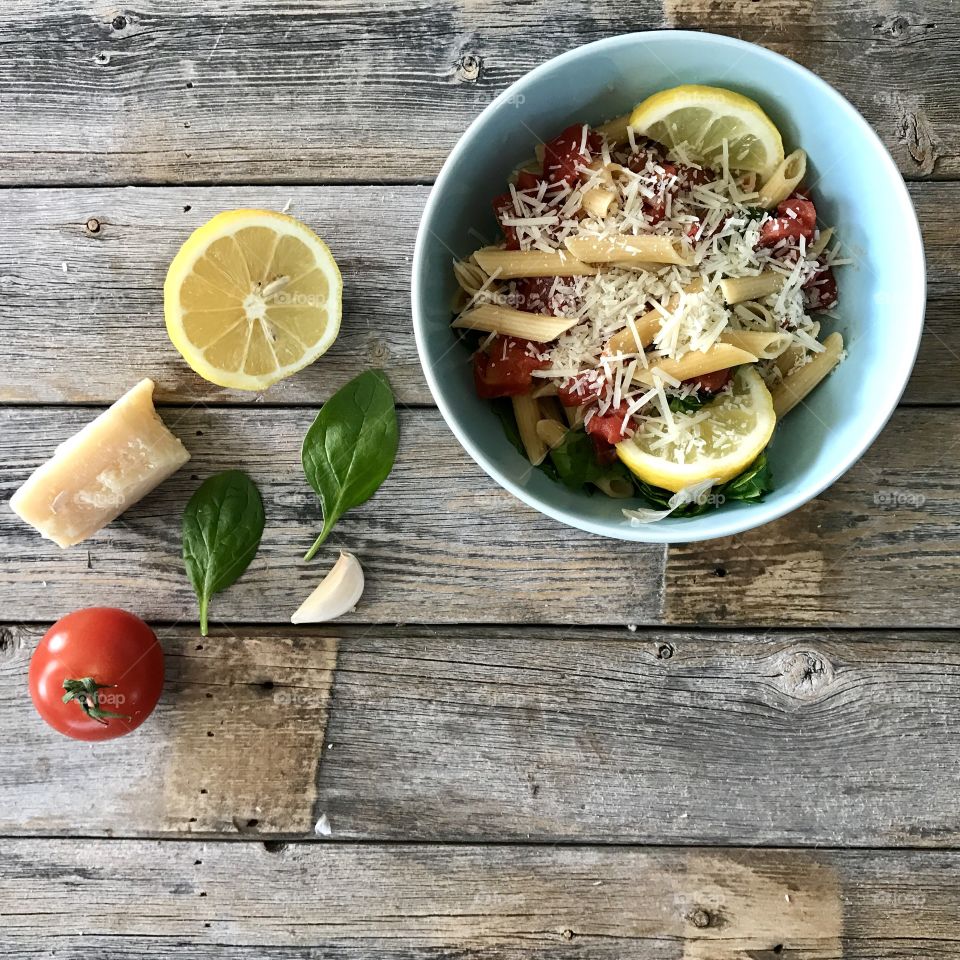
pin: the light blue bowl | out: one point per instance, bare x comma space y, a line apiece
856, 187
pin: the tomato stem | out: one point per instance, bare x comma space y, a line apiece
86, 692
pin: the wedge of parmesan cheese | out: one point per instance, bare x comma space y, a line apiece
95, 475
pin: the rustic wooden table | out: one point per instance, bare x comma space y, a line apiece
764, 763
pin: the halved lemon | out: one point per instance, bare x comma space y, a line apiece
252, 297
702, 118
718, 441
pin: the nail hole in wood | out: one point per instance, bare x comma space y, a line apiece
192, 820
567, 934
203, 893
209, 733
267, 685
197, 863
119, 23
274, 846
102, 59
664, 651
187, 208
92, 225
778, 948
203, 790
700, 918
252, 822
720, 571
189, 84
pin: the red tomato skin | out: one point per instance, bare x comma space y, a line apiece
507, 370
579, 391
606, 452
608, 427
116, 649
562, 155
796, 217
503, 207
712, 382
820, 291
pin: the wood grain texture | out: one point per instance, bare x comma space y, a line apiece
877, 548
271, 92
97, 297
439, 542
506, 734
106, 311
239, 900
226, 752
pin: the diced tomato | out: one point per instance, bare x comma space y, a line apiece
605, 451
563, 155
528, 181
580, 390
820, 291
507, 369
503, 207
533, 294
712, 382
796, 217
609, 426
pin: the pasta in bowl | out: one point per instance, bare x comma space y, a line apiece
658, 320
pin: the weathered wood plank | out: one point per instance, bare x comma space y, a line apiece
137, 898
878, 548
97, 297
224, 753
439, 542
495, 734
285, 92
106, 312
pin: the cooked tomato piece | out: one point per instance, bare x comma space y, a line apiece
796, 217
820, 291
609, 426
580, 390
564, 155
528, 181
533, 294
605, 451
503, 207
712, 382
507, 369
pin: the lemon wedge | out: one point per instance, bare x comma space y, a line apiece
251, 297
702, 118
718, 441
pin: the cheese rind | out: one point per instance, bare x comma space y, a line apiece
95, 475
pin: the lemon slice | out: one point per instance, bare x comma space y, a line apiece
718, 441
702, 118
252, 297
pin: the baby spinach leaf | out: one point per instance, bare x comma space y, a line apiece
503, 408
576, 462
222, 527
350, 448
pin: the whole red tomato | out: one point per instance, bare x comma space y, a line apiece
97, 674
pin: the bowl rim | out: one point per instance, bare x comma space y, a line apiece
724, 523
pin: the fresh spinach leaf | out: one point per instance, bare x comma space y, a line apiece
576, 462
350, 448
688, 404
222, 527
749, 486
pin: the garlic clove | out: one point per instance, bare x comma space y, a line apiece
338, 592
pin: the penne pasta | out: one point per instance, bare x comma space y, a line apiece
738, 289
784, 180
509, 264
797, 384
619, 488
696, 363
598, 200
551, 433
820, 244
491, 318
626, 249
615, 130
546, 389
788, 359
527, 412
575, 416
764, 346
551, 409
646, 327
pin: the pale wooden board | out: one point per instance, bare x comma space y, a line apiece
261, 92
106, 311
496, 734
878, 548
439, 542
123, 899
